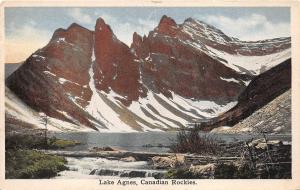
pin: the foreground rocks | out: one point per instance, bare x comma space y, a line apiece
168, 162
128, 159
128, 173
205, 171
98, 149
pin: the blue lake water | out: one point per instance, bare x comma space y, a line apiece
147, 141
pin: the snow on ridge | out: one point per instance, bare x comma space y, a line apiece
230, 80
49, 73
162, 117
102, 111
38, 56
192, 29
17, 109
60, 79
63, 40
202, 105
63, 80
163, 113
254, 64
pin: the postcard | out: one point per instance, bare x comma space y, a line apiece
150, 95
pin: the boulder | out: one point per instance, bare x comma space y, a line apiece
206, 171
128, 159
133, 174
262, 144
98, 149
167, 162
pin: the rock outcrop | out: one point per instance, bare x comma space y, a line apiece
261, 90
274, 117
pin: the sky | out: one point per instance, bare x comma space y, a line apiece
28, 29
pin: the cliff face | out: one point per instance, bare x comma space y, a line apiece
55, 78
177, 74
274, 117
261, 90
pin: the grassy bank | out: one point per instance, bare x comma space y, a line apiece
22, 141
24, 161
28, 164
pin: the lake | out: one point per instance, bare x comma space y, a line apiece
147, 141
157, 142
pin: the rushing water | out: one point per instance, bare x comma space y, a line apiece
104, 168
157, 142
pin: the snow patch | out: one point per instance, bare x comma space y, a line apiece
38, 56
102, 111
254, 64
20, 111
63, 80
230, 80
201, 106
49, 73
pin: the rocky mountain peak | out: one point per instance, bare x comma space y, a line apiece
190, 19
137, 43
165, 20
103, 27
114, 67
88, 72
73, 35
167, 26
137, 39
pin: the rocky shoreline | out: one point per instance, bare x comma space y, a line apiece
253, 160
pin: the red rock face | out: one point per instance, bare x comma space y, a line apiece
115, 66
167, 26
173, 58
171, 65
55, 78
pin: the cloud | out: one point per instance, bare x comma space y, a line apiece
80, 17
109, 19
252, 27
21, 41
124, 30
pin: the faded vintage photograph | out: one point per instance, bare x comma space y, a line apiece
148, 93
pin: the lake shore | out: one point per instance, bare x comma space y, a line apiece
146, 158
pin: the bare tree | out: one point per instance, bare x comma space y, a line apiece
44, 121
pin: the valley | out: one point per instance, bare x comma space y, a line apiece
184, 101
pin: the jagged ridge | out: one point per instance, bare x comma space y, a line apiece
177, 74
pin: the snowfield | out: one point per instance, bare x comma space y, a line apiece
254, 64
161, 112
17, 109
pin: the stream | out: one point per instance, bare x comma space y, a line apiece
156, 142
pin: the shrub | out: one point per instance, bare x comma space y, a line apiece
193, 142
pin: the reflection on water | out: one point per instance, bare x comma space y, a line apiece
148, 142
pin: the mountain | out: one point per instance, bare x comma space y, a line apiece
261, 90
10, 68
274, 117
177, 74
